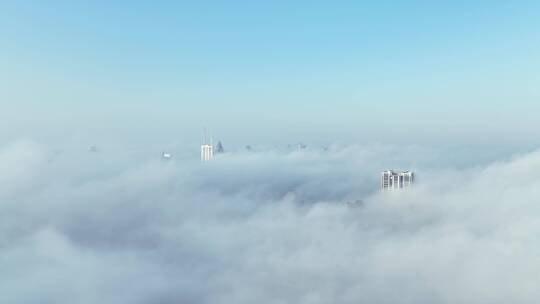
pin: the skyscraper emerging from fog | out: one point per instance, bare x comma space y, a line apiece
207, 150
396, 180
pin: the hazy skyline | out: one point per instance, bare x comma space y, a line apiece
93, 92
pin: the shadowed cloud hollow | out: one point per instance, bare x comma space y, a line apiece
266, 227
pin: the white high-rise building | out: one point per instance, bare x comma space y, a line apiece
408, 178
207, 152
396, 180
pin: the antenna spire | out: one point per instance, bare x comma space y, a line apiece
204, 136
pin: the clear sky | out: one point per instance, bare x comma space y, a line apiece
426, 72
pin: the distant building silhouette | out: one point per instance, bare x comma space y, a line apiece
166, 156
355, 204
93, 149
219, 148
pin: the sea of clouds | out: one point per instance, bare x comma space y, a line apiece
266, 227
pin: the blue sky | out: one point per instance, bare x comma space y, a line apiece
373, 71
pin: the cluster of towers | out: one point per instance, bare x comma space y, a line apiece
390, 180
207, 149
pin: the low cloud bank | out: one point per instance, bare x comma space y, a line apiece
266, 227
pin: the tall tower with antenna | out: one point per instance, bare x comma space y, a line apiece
207, 150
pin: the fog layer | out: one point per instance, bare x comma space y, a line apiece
266, 227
